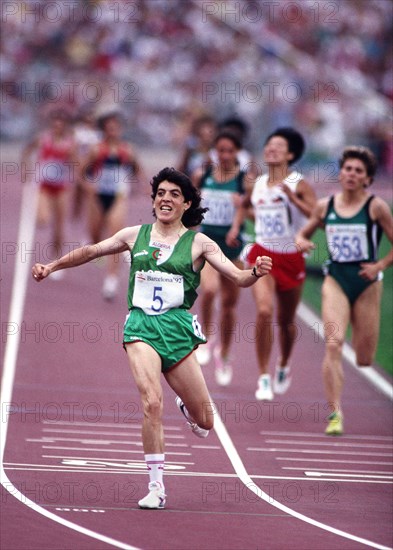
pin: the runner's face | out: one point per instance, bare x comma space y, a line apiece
276, 151
169, 204
59, 125
112, 128
206, 134
353, 175
227, 152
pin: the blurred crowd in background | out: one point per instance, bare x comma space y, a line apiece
322, 67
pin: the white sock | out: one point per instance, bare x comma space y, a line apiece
155, 465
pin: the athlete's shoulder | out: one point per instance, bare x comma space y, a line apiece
322, 206
295, 176
129, 234
202, 240
261, 180
260, 184
378, 207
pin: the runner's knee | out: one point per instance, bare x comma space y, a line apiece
152, 406
209, 293
334, 346
264, 314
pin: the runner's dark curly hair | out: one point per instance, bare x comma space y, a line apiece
362, 153
295, 140
192, 216
226, 134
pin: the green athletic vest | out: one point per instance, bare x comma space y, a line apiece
217, 197
353, 239
162, 276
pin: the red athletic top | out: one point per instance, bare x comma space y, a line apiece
55, 160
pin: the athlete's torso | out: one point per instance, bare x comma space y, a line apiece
277, 220
162, 275
352, 239
219, 198
54, 157
112, 170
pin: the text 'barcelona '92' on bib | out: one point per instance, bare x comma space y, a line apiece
155, 292
347, 242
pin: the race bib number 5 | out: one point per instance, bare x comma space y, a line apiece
347, 243
156, 292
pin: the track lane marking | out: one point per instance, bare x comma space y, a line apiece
125, 425
241, 471
330, 444
97, 432
323, 436
88, 441
89, 449
340, 470
335, 461
368, 476
128, 460
315, 452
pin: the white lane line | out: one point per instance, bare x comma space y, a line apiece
26, 233
87, 424
125, 425
93, 432
105, 464
326, 474
376, 463
316, 452
88, 441
89, 449
379, 472
240, 470
318, 435
329, 444
128, 460
377, 380
209, 447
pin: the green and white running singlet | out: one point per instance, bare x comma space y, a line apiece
351, 241
162, 287
218, 197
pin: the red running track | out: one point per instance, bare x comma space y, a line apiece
74, 444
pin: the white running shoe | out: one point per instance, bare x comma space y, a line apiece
155, 500
264, 390
110, 286
199, 432
203, 354
222, 369
282, 379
